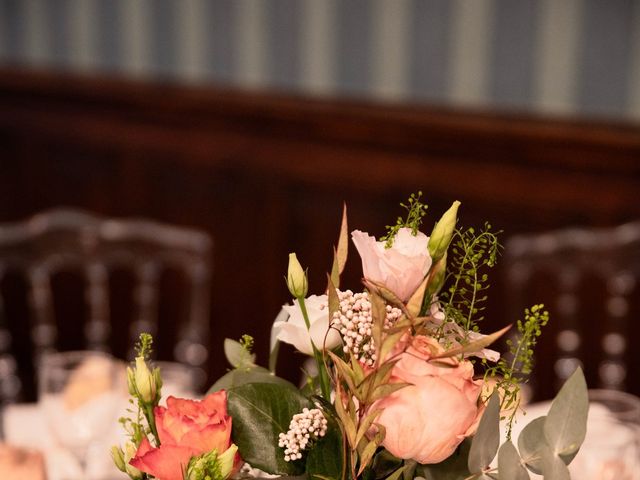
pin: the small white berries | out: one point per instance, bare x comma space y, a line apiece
304, 428
353, 320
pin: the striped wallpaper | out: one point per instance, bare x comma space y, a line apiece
551, 56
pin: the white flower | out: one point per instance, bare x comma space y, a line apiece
400, 268
294, 330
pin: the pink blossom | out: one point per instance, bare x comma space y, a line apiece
400, 268
427, 420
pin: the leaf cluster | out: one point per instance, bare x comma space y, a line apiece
546, 445
416, 210
471, 253
511, 371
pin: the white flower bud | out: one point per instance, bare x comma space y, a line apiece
145, 381
296, 278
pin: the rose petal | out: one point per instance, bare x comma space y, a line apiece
166, 462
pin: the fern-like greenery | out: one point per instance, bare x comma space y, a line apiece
513, 370
470, 255
415, 211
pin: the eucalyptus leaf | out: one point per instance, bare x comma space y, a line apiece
509, 463
484, 445
236, 377
533, 445
260, 412
326, 458
237, 355
554, 468
566, 424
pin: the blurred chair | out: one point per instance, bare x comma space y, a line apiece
589, 281
60, 240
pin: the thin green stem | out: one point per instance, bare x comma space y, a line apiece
322, 371
151, 420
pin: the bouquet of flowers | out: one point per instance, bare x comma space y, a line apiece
403, 385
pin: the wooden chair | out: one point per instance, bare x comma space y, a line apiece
589, 280
37, 251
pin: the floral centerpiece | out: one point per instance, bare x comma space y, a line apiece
403, 385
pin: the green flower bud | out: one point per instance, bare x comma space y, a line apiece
118, 457
129, 452
145, 381
211, 466
296, 278
442, 233
131, 382
226, 460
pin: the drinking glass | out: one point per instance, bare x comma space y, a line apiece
80, 396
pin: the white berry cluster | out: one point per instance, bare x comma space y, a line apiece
304, 428
353, 320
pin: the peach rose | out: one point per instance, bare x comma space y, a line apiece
186, 428
427, 420
400, 268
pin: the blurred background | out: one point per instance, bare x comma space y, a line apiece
252, 121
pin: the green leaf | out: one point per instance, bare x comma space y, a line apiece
237, 355
326, 458
365, 423
367, 455
484, 445
533, 445
401, 471
554, 468
566, 424
474, 346
341, 252
236, 377
332, 296
453, 468
386, 389
415, 302
509, 464
260, 412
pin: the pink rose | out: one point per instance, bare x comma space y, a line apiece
427, 420
186, 428
400, 268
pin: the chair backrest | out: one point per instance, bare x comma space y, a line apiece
93, 247
589, 280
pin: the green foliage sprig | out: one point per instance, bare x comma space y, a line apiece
416, 210
470, 254
143, 345
513, 371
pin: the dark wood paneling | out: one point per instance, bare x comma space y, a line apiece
267, 174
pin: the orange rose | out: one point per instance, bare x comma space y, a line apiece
427, 420
186, 428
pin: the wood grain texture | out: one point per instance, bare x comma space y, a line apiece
266, 174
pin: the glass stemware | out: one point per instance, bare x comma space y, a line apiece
80, 394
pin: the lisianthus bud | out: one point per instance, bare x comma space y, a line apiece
145, 381
296, 278
118, 457
442, 232
212, 466
129, 452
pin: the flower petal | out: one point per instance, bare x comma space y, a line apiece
166, 462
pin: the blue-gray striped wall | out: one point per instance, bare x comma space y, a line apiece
552, 56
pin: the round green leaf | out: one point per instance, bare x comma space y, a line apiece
484, 445
509, 464
260, 412
566, 425
238, 377
326, 458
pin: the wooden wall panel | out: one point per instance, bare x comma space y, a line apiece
266, 175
